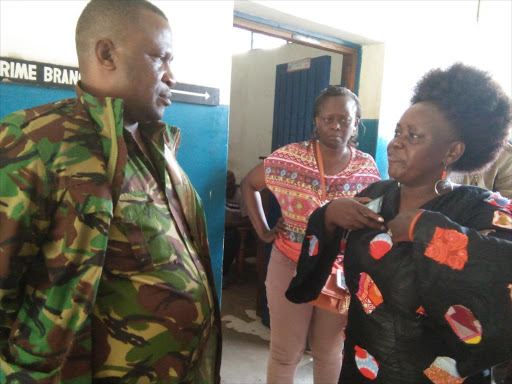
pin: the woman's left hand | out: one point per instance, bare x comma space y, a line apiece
398, 228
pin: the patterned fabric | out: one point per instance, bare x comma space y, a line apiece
368, 293
443, 371
502, 219
99, 281
499, 201
429, 308
313, 246
366, 363
448, 247
292, 174
464, 324
380, 245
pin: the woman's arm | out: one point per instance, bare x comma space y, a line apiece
465, 286
252, 184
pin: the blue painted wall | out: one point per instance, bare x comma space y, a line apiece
382, 157
203, 151
370, 142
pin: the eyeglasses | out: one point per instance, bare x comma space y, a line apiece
344, 122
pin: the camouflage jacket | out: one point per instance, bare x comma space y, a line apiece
105, 273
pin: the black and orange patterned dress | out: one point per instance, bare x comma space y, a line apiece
435, 310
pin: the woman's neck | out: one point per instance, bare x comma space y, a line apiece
415, 197
335, 159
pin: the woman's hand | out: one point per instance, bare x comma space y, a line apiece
398, 228
351, 214
271, 234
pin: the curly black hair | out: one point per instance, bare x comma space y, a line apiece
476, 106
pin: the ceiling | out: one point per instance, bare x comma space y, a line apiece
368, 21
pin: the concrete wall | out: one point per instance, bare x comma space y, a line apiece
252, 100
418, 36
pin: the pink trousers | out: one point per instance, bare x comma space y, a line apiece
292, 324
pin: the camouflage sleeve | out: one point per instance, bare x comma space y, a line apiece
54, 223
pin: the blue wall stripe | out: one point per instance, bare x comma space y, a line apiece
370, 142
382, 157
203, 151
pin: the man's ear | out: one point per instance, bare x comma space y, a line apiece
455, 151
104, 51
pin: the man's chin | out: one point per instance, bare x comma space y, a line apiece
152, 117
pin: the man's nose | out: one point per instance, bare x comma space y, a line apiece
168, 77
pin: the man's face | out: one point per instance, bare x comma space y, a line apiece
143, 72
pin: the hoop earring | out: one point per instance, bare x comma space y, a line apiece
442, 184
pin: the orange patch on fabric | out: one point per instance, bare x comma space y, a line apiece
448, 247
380, 245
502, 219
368, 293
421, 311
343, 245
443, 371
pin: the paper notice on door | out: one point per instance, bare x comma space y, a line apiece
299, 65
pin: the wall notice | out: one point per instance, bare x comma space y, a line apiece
52, 75
32, 72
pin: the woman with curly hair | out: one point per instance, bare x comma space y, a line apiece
428, 264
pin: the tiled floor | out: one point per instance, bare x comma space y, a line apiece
246, 339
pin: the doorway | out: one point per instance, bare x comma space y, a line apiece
253, 86
253, 90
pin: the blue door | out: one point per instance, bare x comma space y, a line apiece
297, 86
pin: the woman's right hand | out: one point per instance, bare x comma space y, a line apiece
351, 214
272, 234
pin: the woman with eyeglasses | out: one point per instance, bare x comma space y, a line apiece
431, 293
304, 176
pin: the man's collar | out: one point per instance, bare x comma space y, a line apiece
95, 106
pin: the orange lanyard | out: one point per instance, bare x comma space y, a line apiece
320, 162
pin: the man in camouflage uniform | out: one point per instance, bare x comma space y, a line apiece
105, 274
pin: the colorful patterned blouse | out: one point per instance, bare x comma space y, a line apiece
292, 174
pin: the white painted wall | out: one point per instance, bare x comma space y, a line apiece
370, 84
44, 30
418, 35
252, 100
486, 45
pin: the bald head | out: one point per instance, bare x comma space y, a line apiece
107, 19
